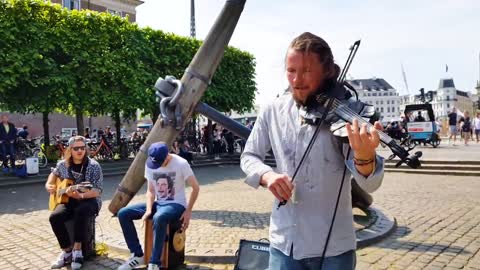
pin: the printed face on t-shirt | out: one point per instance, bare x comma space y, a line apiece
165, 187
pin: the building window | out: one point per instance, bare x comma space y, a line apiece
388, 109
388, 101
381, 102
393, 109
115, 12
448, 105
71, 4
381, 109
448, 98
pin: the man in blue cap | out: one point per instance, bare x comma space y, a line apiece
166, 174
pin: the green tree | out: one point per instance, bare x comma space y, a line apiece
90, 63
33, 78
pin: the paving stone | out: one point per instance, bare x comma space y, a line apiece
431, 232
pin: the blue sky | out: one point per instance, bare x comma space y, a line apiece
423, 35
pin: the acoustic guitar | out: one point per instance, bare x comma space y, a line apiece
60, 195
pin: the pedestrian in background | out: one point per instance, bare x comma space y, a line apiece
8, 135
476, 125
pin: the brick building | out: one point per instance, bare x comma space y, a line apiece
121, 8
58, 121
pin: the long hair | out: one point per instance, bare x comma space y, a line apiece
67, 156
310, 43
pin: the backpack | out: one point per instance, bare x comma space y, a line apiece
466, 125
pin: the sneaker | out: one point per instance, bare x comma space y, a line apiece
77, 260
152, 266
63, 259
132, 263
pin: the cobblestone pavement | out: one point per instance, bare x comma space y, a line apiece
438, 222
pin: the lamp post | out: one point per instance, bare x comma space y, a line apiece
192, 18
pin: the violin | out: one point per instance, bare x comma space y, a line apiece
337, 106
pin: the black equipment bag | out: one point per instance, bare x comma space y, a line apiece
253, 255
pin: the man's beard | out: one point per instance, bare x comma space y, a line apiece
309, 100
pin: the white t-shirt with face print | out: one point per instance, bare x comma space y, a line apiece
169, 181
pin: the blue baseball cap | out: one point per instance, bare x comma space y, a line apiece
157, 153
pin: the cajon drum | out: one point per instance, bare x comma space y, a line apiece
88, 244
173, 252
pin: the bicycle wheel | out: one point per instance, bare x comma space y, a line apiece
106, 154
42, 158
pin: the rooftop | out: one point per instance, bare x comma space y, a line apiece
371, 84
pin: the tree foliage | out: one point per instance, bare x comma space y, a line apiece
85, 62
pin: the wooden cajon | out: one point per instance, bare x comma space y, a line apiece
88, 244
171, 258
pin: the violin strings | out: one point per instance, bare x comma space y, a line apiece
381, 134
349, 112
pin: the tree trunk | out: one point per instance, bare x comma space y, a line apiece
116, 118
210, 137
46, 132
156, 113
90, 123
79, 117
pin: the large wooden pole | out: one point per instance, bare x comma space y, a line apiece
195, 79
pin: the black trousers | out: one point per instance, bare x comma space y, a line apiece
217, 147
186, 155
6, 149
79, 211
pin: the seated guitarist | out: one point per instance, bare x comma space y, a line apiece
80, 168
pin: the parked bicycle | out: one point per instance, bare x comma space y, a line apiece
31, 148
101, 150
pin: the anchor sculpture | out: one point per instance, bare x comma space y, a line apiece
194, 82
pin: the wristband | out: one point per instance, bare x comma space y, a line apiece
363, 162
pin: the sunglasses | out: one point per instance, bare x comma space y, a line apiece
78, 148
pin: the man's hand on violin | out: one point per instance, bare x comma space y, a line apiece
279, 184
363, 143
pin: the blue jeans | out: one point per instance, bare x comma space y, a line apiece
280, 261
162, 215
7, 148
